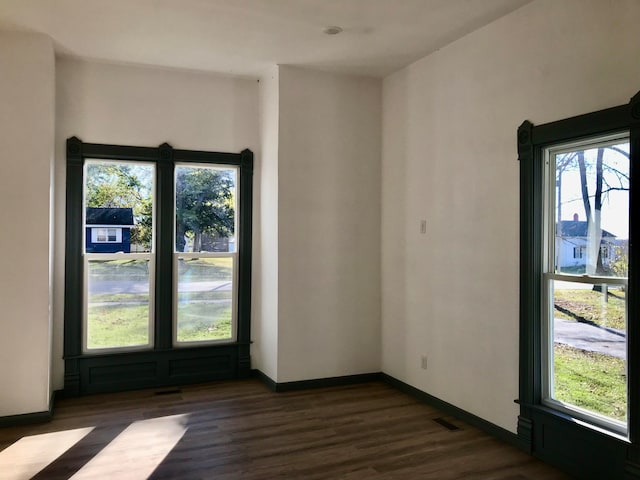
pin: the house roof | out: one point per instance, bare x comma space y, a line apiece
109, 216
577, 228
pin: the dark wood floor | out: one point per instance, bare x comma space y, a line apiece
241, 430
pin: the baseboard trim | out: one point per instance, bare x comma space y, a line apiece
25, 419
267, 380
317, 383
473, 420
30, 418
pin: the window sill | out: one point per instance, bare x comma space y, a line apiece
570, 419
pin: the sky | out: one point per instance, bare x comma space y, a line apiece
615, 204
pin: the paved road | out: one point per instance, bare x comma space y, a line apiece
119, 286
588, 337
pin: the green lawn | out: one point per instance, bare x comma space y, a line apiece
127, 325
116, 269
591, 380
204, 321
117, 326
592, 307
205, 268
122, 319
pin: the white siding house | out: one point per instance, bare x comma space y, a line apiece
572, 242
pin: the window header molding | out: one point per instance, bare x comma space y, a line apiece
610, 120
77, 150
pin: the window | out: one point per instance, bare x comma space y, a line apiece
205, 219
584, 311
118, 298
579, 300
158, 266
106, 235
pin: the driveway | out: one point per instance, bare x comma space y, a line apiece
588, 337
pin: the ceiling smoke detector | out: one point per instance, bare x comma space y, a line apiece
332, 30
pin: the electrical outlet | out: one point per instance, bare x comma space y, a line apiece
423, 226
423, 362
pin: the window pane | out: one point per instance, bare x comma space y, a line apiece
587, 322
118, 308
590, 347
205, 299
119, 207
591, 210
205, 209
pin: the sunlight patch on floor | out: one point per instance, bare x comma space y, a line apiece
29, 455
137, 451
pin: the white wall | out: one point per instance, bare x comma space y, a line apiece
121, 104
449, 157
317, 215
27, 99
329, 225
264, 351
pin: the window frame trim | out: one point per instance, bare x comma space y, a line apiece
535, 418
163, 364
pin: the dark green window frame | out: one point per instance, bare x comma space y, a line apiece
584, 450
164, 364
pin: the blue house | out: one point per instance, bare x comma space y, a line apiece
108, 230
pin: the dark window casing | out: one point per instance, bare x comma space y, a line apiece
163, 365
582, 450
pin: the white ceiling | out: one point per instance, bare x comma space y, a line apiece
242, 37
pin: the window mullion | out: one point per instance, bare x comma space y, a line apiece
163, 238
244, 260
73, 264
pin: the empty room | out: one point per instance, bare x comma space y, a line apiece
359, 239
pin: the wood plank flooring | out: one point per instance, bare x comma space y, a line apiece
242, 430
